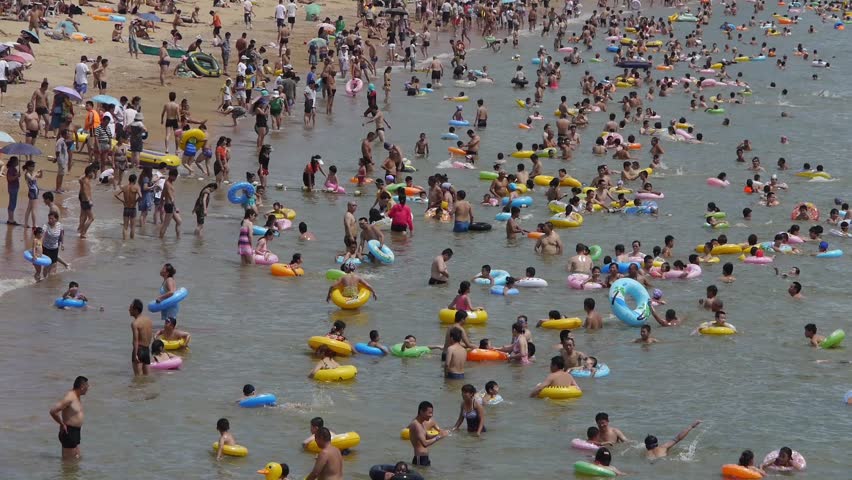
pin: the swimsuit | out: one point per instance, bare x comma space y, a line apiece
435, 281
460, 227
243, 244
421, 460
143, 353
455, 376
472, 417
72, 438
169, 312
129, 212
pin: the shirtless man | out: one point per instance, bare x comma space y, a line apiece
420, 437
169, 116
169, 207
580, 263
141, 327
129, 195
367, 149
549, 243
29, 124
645, 337
39, 100
171, 333
481, 120
608, 435
811, 334
439, 275
329, 462
437, 70
350, 283
350, 224
570, 357
456, 356
711, 302
163, 61
68, 413
558, 377
593, 321
472, 147
87, 216
655, 450
512, 227
369, 232
500, 185
460, 318
462, 212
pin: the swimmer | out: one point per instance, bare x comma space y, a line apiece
570, 357
456, 356
720, 320
645, 337
711, 302
158, 353
728, 273
350, 283
471, 411
811, 334
223, 426
747, 461
420, 437
491, 396
374, 342
509, 286
248, 392
170, 332
462, 299
669, 320
657, 296
795, 291
316, 424
326, 362
558, 377
439, 274
485, 273
594, 320
603, 458
590, 365
338, 328
655, 450
608, 435
551, 315
73, 293
581, 262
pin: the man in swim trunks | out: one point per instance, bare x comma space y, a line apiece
558, 377
420, 437
350, 224
608, 435
68, 413
129, 196
169, 197
460, 318
437, 70
570, 357
645, 337
87, 216
500, 185
439, 274
462, 211
369, 232
472, 147
549, 243
655, 450
141, 327
481, 120
456, 356
169, 117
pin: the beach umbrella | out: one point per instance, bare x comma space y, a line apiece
327, 26
150, 17
26, 56
106, 99
320, 42
15, 58
6, 138
20, 149
32, 35
70, 92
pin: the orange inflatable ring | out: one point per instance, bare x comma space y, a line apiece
106, 9
634, 146
735, 471
456, 151
664, 67
354, 180
284, 270
482, 355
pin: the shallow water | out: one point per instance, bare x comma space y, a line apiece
760, 389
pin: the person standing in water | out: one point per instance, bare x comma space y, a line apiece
68, 413
655, 450
420, 437
141, 327
329, 462
169, 198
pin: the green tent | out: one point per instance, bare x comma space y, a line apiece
312, 12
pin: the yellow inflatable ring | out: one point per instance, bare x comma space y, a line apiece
231, 450
287, 213
476, 317
336, 346
346, 372
560, 393
562, 323
523, 154
350, 303
544, 181
708, 330
173, 344
342, 441
559, 220
156, 158
196, 134
405, 434
726, 249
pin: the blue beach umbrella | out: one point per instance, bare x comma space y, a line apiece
20, 149
106, 99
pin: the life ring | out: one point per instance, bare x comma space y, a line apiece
575, 281
41, 261
834, 339
560, 393
239, 192
602, 370
285, 270
342, 441
69, 303
562, 323
346, 372
715, 182
231, 450
726, 249
581, 444
575, 220
414, 352
267, 258
483, 355
618, 293
196, 134
336, 346
354, 86
350, 303
383, 254
498, 290
735, 471
523, 153
170, 302
830, 254
173, 363
499, 277
813, 211
798, 461
369, 350
476, 317
707, 328
458, 123
173, 344
263, 400
531, 283
518, 201
590, 469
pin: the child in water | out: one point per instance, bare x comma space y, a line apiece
38, 235
374, 342
590, 364
225, 437
73, 292
158, 353
491, 396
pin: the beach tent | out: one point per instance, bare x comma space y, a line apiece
312, 12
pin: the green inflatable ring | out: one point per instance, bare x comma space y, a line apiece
486, 175
415, 352
334, 274
595, 252
834, 339
586, 468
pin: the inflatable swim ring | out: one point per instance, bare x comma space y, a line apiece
345, 372
476, 317
736, 471
263, 400
482, 355
284, 270
797, 460
562, 323
336, 346
602, 371
414, 352
575, 281
618, 293
231, 450
342, 441
350, 303
560, 393
69, 303
834, 339
168, 303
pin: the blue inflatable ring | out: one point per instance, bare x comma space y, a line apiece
43, 260
385, 255
168, 303
263, 400
618, 293
239, 192
368, 350
69, 303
